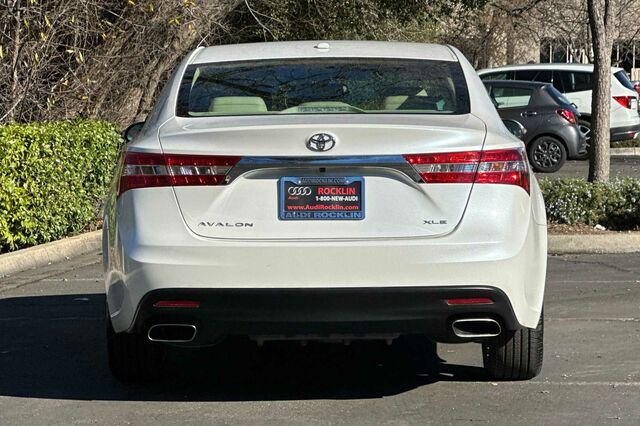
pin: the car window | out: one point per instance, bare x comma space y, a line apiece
557, 81
499, 75
511, 97
544, 76
621, 76
526, 75
574, 81
323, 86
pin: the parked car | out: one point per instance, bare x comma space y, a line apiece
552, 132
575, 82
324, 191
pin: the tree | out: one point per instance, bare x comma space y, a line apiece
601, 21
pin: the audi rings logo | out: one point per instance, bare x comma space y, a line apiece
299, 190
321, 142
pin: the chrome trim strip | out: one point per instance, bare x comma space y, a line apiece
395, 162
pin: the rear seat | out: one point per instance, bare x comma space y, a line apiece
237, 104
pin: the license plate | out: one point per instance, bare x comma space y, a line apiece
321, 198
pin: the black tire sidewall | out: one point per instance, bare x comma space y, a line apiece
585, 123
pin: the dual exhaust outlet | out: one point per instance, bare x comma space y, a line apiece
465, 328
172, 333
473, 328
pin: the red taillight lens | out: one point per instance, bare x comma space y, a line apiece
470, 301
500, 166
625, 101
567, 115
143, 170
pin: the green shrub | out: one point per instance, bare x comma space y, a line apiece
614, 204
630, 143
52, 178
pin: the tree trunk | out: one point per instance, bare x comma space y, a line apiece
601, 23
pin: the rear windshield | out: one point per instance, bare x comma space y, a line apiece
624, 80
557, 96
323, 86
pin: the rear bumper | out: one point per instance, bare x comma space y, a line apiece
500, 245
575, 140
625, 132
323, 311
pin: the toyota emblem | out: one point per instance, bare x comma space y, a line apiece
321, 142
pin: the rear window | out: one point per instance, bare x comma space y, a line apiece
323, 86
556, 95
621, 76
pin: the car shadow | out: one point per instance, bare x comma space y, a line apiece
54, 347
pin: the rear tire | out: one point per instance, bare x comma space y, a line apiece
132, 357
585, 127
515, 355
547, 154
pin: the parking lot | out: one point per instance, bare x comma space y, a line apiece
53, 364
620, 166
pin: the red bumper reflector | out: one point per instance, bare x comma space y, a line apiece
177, 304
470, 301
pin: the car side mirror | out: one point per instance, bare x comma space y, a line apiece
131, 132
515, 128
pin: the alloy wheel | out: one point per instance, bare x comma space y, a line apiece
547, 154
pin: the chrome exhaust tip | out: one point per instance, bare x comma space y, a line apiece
172, 333
472, 328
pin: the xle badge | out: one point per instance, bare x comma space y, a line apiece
434, 222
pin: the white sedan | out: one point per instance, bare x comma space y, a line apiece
325, 191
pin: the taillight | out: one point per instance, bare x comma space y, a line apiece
625, 101
499, 166
142, 170
567, 115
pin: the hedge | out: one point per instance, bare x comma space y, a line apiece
614, 204
53, 176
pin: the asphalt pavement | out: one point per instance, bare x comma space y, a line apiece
620, 166
53, 367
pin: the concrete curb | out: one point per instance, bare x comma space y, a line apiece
43, 254
57, 251
625, 152
628, 242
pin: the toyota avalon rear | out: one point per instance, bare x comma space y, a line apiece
331, 192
